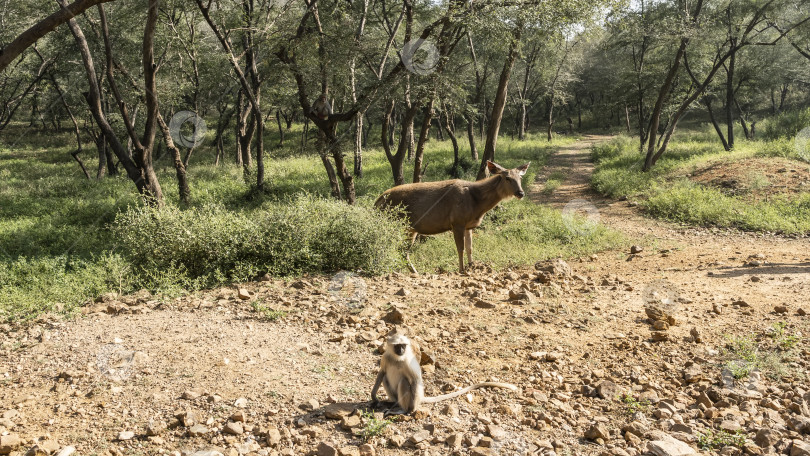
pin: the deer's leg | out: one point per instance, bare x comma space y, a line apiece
458, 234
413, 235
468, 245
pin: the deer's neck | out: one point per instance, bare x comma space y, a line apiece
487, 193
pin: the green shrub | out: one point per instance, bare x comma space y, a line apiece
303, 234
785, 125
30, 286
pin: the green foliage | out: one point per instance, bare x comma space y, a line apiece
518, 232
664, 192
712, 439
786, 124
31, 286
266, 312
633, 405
742, 354
302, 234
65, 239
374, 427
783, 339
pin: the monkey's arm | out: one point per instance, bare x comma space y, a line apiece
377, 383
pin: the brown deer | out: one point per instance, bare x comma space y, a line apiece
453, 205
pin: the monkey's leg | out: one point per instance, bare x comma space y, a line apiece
408, 252
458, 234
468, 245
405, 399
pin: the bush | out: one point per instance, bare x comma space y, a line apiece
786, 125
215, 245
31, 286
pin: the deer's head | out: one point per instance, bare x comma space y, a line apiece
511, 177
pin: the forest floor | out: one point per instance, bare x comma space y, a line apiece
286, 367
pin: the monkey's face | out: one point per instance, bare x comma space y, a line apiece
400, 349
398, 344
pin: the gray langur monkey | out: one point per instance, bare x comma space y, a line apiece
401, 376
321, 108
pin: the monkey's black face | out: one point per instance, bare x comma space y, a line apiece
399, 349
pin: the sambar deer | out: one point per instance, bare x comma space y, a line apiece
453, 205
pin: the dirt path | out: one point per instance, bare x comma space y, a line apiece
285, 367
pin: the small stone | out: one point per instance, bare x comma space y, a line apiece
481, 451
800, 448
801, 312
597, 431
66, 451
755, 278
126, 435
324, 449
636, 249
191, 394
660, 336
9, 443
37, 450
609, 390
367, 449
669, 447
780, 309
311, 404
660, 325
482, 304
197, 430
454, 441
349, 451
767, 437
240, 402
420, 436
402, 292
244, 294
155, 428
273, 437
395, 317
338, 410
239, 416
496, 432
233, 428
693, 374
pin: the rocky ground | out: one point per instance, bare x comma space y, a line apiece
692, 342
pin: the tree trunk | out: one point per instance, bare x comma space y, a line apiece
655, 117
471, 137
449, 127
708, 102
423, 137
93, 98
358, 146
500, 102
179, 165
280, 129
42, 28
730, 96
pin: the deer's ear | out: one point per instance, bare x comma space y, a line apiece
522, 168
494, 167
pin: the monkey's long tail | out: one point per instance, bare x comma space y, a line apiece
430, 400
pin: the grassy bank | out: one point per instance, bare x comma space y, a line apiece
65, 239
760, 186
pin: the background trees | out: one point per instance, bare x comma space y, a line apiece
393, 72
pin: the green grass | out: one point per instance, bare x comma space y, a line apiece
718, 439
664, 192
553, 182
65, 239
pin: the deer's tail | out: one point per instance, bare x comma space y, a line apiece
430, 400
